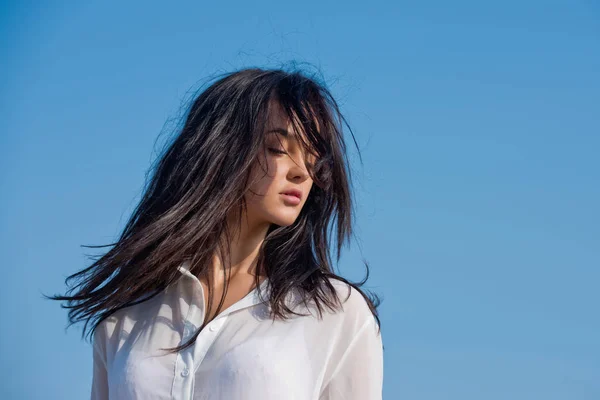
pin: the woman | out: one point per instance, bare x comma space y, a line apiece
238, 212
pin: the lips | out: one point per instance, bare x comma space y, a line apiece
293, 192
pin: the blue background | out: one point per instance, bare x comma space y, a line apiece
477, 203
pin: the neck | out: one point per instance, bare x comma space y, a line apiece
246, 240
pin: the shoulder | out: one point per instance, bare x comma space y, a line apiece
355, 311
352, 333
103, 332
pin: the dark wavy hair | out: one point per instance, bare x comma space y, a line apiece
202, 176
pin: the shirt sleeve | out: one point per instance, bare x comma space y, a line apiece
359, 374
99, 389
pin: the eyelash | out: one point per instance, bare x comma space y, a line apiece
276, 151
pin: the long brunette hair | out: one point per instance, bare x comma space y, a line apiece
202, 176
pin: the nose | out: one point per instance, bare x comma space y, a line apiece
298, 171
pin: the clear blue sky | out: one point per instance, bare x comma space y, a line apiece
479, 124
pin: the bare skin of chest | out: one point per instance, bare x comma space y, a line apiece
238, 288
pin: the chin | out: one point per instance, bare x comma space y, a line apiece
283, 219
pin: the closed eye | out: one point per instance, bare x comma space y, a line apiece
309, 165
276, 151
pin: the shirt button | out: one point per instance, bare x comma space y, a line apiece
185, 372
212, 328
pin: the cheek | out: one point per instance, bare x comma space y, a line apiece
309, 185
260, 181
260, 186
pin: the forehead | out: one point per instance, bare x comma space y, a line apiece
279, 123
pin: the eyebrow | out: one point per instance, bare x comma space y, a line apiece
281, 131
285, 133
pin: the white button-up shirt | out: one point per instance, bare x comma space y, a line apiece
242, 355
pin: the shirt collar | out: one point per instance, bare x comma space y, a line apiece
251, 299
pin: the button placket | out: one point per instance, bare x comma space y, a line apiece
189, 360
206, 338
186, 362
183, 384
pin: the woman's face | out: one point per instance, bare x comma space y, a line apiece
284, 170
